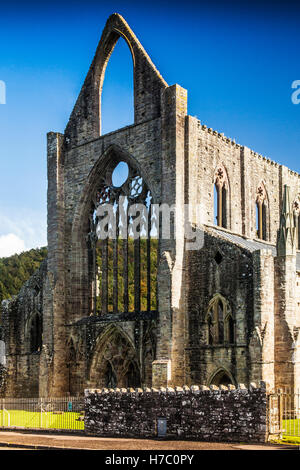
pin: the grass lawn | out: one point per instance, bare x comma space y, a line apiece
291, 427
291, 439
35, 419
291, 434
68, 420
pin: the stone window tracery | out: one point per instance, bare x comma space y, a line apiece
261, 212
123, 266
221, 197
219, 322
115, 362
296, 212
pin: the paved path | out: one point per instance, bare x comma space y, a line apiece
65, 441
13, 448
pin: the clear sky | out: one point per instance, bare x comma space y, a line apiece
237, 61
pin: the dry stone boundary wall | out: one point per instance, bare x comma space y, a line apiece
198, 412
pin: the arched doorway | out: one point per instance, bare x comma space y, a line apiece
114, 362
222, 378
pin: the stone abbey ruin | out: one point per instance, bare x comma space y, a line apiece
147, 312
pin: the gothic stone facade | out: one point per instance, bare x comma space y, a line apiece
228, 312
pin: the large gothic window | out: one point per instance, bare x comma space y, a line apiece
221, 199
219, 322
261, 213
123, 254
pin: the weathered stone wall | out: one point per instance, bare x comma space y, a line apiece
22, 365
207, 149
232, 277
261, 335
286, 323
215, 414
3, 380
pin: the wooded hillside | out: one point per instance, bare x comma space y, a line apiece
17, 269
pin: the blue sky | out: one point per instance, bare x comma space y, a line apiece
237, 63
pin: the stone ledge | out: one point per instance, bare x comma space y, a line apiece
194, 389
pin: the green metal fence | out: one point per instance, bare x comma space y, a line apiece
284, 414
290, 416
65, 413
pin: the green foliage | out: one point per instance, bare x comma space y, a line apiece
17, 269
130, 270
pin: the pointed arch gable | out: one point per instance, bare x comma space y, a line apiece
219, 297
224, 179
84, 123
261, 192
111, 330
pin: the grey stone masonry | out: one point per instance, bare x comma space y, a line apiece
198, 412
